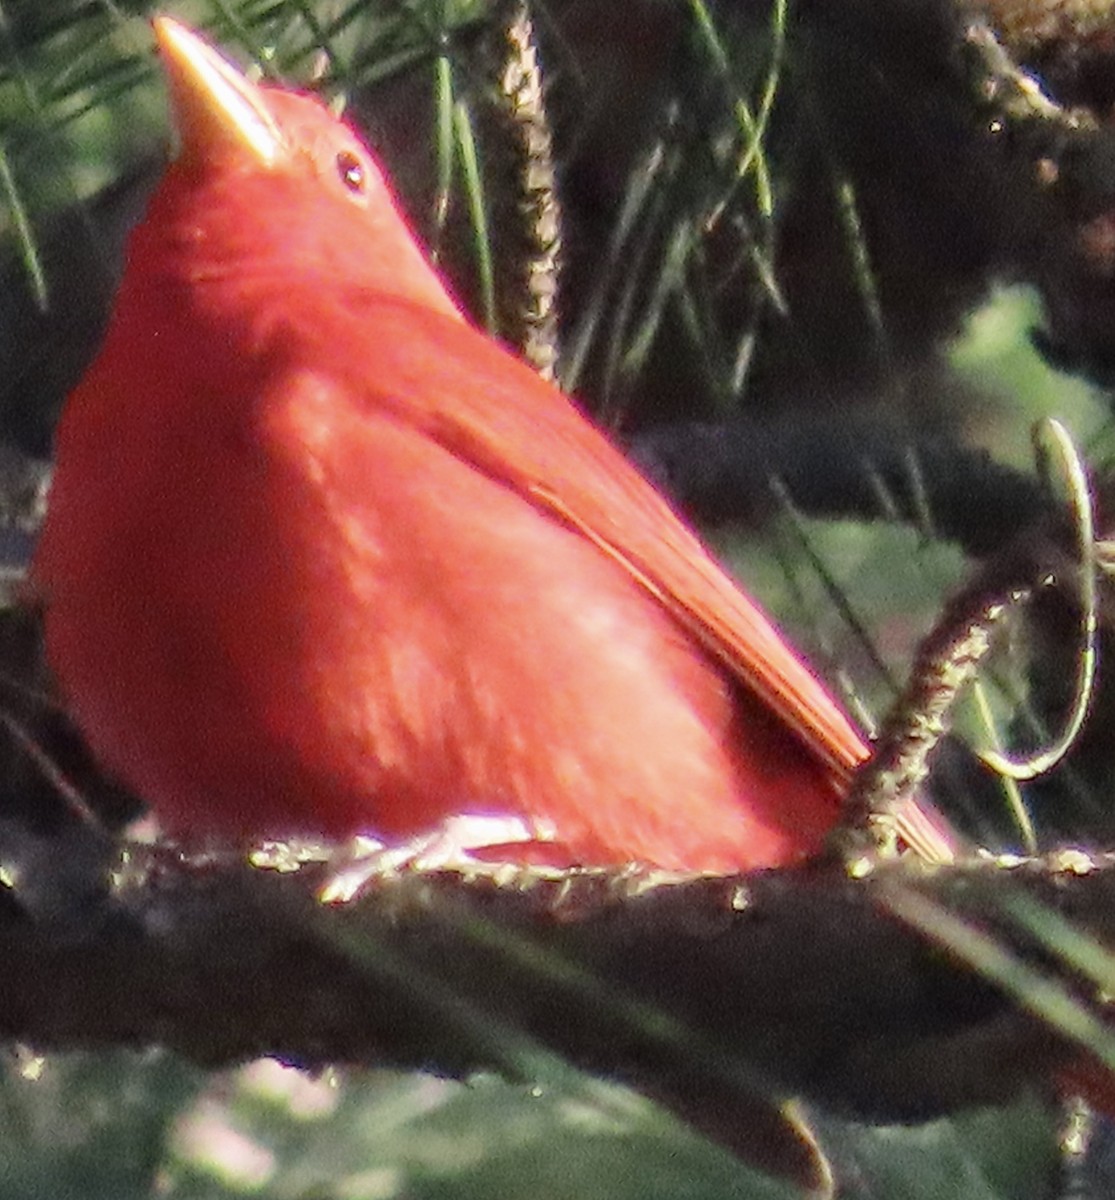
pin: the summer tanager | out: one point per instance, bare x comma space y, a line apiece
321, 558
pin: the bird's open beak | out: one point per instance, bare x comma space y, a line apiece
216, 110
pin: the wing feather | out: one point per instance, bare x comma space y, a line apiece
489, 408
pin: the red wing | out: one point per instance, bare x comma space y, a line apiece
489, 408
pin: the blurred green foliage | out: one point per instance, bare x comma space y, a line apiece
126, 1125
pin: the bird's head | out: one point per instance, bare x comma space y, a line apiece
264, 174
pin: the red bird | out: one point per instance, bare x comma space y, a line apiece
323, 559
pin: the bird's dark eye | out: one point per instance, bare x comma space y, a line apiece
351, 171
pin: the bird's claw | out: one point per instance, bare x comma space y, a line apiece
449, 846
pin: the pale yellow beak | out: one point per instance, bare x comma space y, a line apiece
217, 111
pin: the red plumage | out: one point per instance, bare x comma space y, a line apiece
321, 558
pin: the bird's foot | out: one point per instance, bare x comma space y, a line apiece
450, 846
